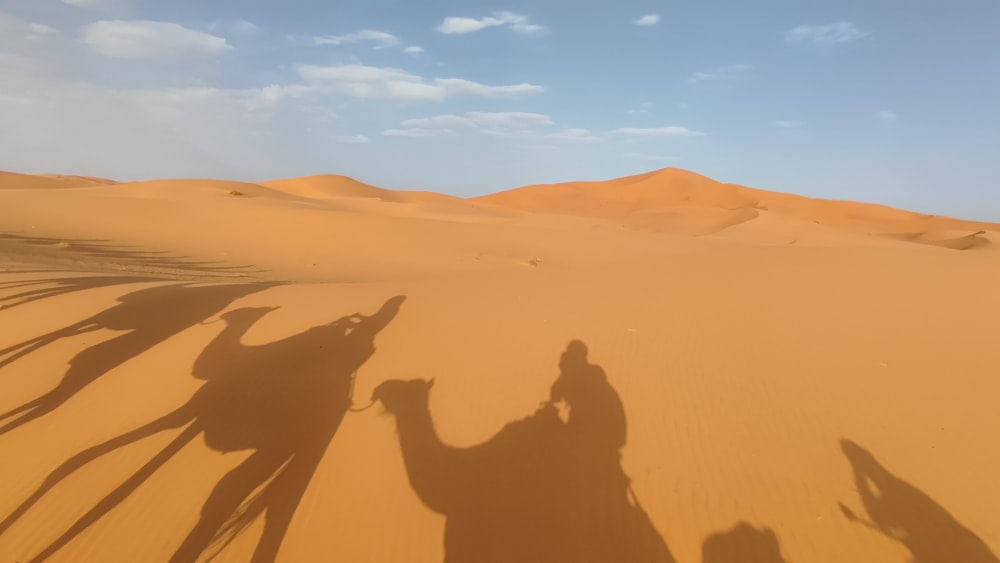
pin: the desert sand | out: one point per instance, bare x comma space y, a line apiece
657, 368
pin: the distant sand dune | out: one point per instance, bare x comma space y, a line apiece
677, 201
13, 180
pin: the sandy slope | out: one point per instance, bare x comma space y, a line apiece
801, 381
674, 200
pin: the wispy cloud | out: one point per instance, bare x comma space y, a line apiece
413, 50
886, 115
107, 6
40, 31
351, 139
411, 132
501, 124
648, 19
575, 134
649, 157
383, 83
641, 109
785, 124
671, 131
238, 26
839, 32
720, 73
462, 25
143, 39
380, 39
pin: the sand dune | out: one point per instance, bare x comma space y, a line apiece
659, 368
674, 200
13, 180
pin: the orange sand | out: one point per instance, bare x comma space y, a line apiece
799, 380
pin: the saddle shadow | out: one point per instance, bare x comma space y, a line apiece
283, 400
904, 513
539, 491
742, 544
150, 316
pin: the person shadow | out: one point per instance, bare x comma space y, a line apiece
742, 544
904, 513
283, 400
541, 490
148, 317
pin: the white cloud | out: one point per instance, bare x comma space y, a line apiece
575, 135
360, 81
499, 124
462, 25
672, 131
143, 39
14, 32
64, 125
39, 31
789, 124
381, 39
839, 32
413, 50
720, 73
239, 26
648, 19
641, 109
352, 139
886, 115
107, 6
649, 157
413, 132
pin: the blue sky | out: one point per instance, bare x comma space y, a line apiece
893, 101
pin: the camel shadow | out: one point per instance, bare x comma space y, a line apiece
284, 400
904, 513
742, 544
150, 316
540, 490
105, 256
43, 288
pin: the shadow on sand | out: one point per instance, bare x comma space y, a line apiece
284, 400
540, 490
105, 256
904, 513
150, 316
43, 288
742, 544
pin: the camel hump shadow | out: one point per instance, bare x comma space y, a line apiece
540, 490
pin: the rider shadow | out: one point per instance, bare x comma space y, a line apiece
540, 490
150, 316
904, 513
742, 544
284, 400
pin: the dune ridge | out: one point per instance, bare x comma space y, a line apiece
675, 200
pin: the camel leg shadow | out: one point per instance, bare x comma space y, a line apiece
28, 346
172, 420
